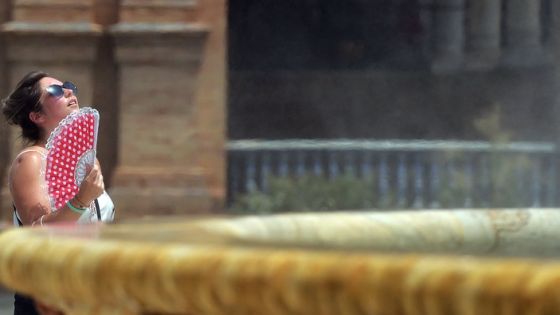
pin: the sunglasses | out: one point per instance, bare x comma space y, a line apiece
58, 90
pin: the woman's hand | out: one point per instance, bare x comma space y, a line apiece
92, 186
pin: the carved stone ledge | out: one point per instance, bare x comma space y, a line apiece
70, 28
162, 43
74, 42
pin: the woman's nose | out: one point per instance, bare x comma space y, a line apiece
68, 92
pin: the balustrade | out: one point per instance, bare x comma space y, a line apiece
414, 174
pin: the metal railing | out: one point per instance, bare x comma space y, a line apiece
412, 174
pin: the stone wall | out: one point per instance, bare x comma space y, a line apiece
155, 70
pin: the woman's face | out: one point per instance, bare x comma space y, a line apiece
55, 108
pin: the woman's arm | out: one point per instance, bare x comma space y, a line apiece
31, 200
28, 194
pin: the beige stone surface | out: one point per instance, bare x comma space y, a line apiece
158, 136
163, 74
211, 98
158, 11
53, 10
515, 232
323, 263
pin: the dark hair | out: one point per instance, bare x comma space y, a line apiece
23, 100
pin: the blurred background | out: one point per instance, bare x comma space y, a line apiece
245, 106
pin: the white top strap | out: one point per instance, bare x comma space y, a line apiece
42, 152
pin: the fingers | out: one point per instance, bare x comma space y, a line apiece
92, 186
95, 177
94, 172
99, 182
99, 179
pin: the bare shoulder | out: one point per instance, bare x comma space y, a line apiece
28, 160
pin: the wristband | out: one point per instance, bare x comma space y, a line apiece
80, 203
78, 210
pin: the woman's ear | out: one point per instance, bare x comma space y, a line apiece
36, 117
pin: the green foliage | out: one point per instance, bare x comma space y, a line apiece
506, 190
505, 169
309, 193
501, 186
490, 125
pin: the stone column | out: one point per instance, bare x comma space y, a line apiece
106, 88
448, 35
163, 49
4, 130
211, 100
427, 22
522, 34
483, 34
56, 36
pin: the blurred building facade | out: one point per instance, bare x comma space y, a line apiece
159, 73
405, 69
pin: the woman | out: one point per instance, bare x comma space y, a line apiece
37, 104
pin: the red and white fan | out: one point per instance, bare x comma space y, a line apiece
71, 154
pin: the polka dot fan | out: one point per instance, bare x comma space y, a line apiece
71, 154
